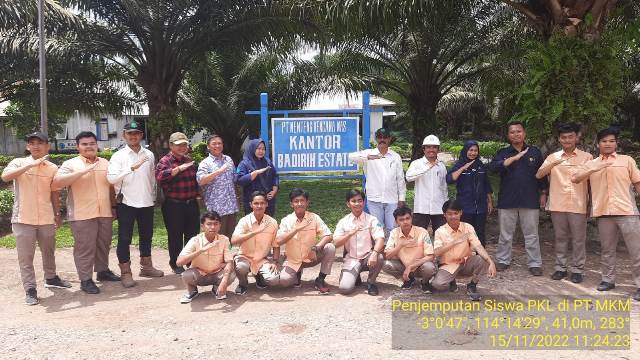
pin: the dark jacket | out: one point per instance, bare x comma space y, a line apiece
263, 182
473, 184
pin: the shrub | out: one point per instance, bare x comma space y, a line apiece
199, 152
6, 202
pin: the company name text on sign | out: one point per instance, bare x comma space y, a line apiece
314, 144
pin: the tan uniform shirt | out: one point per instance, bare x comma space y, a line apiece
32, 192
256, 248
89, 196
417, 244
212, 260
298, 248
564, 195
612, 187
457, 255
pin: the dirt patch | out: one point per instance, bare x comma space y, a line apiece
148, 321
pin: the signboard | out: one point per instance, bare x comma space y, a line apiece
67, 145
314, 144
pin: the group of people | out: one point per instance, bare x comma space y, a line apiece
389, 237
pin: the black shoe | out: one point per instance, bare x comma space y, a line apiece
559, 275
31, 297
453, 286
409, 283
502, 267
636, 296
260, 282
89, 287
372, 289
472, 291
358, 280
536, 271
576, 278
321, 286
426, 287
605, 286
299, 282
56, 282
107, 275
241, 290
177, 269
188, 297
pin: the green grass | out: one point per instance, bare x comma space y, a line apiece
327, 200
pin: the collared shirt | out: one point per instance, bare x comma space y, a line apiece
212, 260
564, 195
612, 187
358, 246
458, 255
32, 192
89, 196
220, 194
256, 248
137, 187
183, 186
417, 244
385, 177
298, 248
519, 187
431, 185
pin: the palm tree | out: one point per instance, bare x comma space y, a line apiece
156, 42
421, 50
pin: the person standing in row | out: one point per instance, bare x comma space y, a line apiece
176, 175
613, 178
430, 176
131, 172
36, 214
217, 177
257, 173
473, 189
567, 202
90, 211
385, 187
521, 197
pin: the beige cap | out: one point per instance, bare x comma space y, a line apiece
178, 138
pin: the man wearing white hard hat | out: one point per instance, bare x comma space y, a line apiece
430, 176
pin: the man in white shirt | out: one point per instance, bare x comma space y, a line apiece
385, 187
131, 171
430, 176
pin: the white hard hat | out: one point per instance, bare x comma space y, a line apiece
431, 140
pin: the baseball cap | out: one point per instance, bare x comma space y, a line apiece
431, 140
383, 132
37, 134
132, 126
178, 138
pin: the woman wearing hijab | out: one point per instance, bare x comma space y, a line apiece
473, 187
257, 173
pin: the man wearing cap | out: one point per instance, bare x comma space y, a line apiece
90, 211
176, 175
430, 176
131, 171
36, 214
385, 186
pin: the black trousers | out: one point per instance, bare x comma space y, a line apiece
182, 220
127, 216
478, 221
423, 220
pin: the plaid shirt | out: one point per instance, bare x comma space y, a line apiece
183, 186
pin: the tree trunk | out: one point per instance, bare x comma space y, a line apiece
424, 122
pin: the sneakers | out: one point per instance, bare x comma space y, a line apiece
576, 278
605, 286
260, 282
536, 271
299, 283
426, 287
89, 287
214, 292
559, 275
321, 286
31, 297
177, 269
453, 286
472, 291
409, 283
57, 283
241, 290
188, 297
502, 267
372, 289
107, 275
